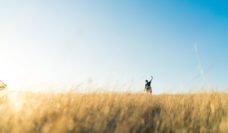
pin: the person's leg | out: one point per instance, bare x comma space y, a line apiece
149, 90
146, 89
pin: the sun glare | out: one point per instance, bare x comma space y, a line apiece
10, 78
14, 101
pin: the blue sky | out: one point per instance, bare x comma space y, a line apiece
115, 44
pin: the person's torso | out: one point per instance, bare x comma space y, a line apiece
148, 84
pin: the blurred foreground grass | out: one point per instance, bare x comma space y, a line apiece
113, 113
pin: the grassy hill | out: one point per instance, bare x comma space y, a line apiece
114, 113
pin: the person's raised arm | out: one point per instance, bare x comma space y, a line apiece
151, 78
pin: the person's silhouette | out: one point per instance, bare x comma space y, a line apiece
148, 88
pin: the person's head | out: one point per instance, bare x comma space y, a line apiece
146, 81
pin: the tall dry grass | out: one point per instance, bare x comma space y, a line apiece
114, 113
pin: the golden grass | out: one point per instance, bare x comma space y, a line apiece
114, 113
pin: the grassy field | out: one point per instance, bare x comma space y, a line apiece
113, 113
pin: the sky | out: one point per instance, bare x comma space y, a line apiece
114, 45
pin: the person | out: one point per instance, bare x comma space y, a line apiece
148, 88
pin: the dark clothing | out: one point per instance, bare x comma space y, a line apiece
148, 88
148, 84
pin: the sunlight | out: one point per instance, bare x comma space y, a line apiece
10, 80
9, 73
15, 101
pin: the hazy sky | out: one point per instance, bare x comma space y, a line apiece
114, 44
